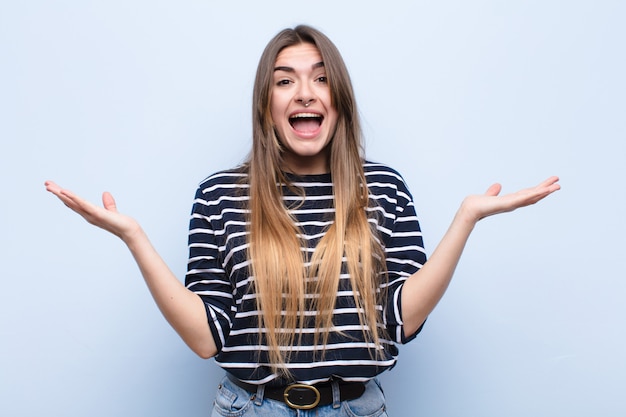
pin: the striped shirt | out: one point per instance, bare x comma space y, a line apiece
218, 271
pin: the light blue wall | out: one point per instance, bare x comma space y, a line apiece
146, 98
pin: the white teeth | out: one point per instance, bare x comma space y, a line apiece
309, 115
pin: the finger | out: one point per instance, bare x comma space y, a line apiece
543, 190
546, 188
109, 202
74, 202
551, 183
64, 195
52, 187
494, 190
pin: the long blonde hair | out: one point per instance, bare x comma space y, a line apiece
281, 278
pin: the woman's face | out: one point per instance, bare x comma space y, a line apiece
301, 109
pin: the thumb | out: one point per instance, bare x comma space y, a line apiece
494, 190
109, 202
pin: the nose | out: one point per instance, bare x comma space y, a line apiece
305, 95
305, 101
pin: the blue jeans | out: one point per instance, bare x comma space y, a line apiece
233, 401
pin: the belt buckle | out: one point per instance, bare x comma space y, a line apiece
301, 406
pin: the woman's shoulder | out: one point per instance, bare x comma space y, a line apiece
238, 174
227, 181
380, 172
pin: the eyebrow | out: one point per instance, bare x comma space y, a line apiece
290, 69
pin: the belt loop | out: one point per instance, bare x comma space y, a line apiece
334, 384
260, 393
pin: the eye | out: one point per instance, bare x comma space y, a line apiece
283, 82
323, 79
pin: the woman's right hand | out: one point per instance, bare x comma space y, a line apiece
183, 309
106, 217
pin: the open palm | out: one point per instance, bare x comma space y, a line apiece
490, 203
106, 217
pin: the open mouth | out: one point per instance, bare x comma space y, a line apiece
306, 122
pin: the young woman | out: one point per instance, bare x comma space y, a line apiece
306, 263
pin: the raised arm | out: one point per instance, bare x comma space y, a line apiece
183, 309
423, 290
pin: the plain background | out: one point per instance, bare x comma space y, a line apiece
146, 98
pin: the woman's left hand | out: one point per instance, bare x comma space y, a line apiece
477, 207
423, 290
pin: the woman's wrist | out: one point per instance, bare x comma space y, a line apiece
134, 236
466, 214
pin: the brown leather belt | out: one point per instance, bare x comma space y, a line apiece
306, 397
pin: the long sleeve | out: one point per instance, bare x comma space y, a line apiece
399, 228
